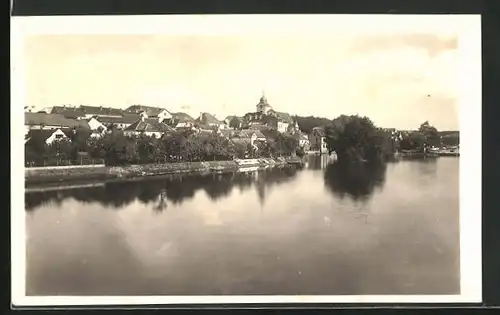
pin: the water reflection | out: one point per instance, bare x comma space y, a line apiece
357, 181
317, 162
173, 189
185, 235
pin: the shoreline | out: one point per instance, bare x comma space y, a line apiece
51, 176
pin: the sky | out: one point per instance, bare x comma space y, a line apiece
398, 80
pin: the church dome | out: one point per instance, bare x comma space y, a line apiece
263, 106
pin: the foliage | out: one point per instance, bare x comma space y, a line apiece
414, 140
356, 138
355, 181
235, 123
306, 124
431, 134
451, 139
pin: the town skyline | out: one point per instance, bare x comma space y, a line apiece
396, 80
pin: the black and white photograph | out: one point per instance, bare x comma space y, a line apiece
246, 159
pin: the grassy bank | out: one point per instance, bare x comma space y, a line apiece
42, 175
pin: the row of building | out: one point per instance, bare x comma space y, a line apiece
59, 122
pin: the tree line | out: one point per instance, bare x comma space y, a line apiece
115, 148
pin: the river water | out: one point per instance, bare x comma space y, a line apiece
319, 230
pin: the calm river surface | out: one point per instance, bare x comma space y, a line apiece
317, 230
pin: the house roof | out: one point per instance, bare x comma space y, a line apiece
300, 136
150, 110
259, 127
125, 119
53, 120
149, 125
320, 131
228, 132
207, 118
44, 134
183, 125
101, 111
284, 117
246, 133
241, 141
182, 117
68, 112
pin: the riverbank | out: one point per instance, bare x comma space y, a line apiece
64, 174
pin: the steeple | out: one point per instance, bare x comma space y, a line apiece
263, 99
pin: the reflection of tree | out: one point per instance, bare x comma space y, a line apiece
161, 204
174, 189
357, 180
221, 187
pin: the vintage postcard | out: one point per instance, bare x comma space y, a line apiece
246, 159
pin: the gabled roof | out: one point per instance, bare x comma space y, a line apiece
53, 120
246, 133
259, 127
284, 117
206, 118
68, 112
149, 110
125, 119
44, 134
41, 133
228, 132
182, 117
320, 131
300, 136
149, 125
240, 141
259, 134
101, 111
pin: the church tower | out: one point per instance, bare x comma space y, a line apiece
263, 106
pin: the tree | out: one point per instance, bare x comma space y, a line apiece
431, 134
414, 140
451, 139
306, 124
355, 138
235, 123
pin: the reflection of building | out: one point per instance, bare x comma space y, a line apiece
317, 140
317, 162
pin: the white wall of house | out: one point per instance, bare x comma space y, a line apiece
282, 126
253, 138
184, 125
94, 124
57, 135
324, 147
164, 114
43, 127
131, 133
157, 135
121, 126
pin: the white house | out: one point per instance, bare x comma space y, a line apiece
150, 112
282, 126
95, 124
151, 127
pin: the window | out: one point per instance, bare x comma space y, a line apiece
59, 136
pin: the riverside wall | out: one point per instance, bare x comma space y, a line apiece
61, 174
